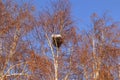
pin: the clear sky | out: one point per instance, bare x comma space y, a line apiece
82, 9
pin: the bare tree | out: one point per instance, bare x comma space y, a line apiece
102, 45
29, 52
56, 20
13, 26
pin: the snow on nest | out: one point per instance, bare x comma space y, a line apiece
56, 35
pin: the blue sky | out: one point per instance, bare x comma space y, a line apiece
82, 9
